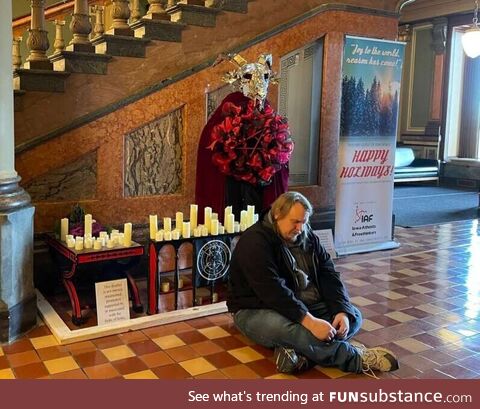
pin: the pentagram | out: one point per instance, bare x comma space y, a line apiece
213, 260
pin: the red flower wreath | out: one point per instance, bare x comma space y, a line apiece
251, 145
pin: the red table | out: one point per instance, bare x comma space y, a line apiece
76, 258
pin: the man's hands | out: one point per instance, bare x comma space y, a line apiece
321, 329
341, 324
325, 331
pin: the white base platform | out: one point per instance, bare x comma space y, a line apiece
65, 335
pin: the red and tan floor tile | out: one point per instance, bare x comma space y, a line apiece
420, 300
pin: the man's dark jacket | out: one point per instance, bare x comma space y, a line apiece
261, 276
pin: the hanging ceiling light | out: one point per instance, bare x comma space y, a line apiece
471, 37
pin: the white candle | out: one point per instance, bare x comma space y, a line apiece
103, 234
167, 224
97, 244
114, 231
193, 215
204, 231
167, 235
221, 229
214, 227
78, 243
153, 226
255, 218
88, 243
243, 217
231, 223
110, 244
250, 215
121, 239
71, 243
214, 216
236, 227
186, 230
88, 225
243, 226
207, 217
64, 229
175, 235
127, 234
159, 236
179, 221
197, 232
228, 210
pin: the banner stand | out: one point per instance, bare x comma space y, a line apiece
366, 248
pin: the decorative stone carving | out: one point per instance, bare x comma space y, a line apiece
156, 11
81, 28
16, 55
59, 43
37, 41
99, 27
154, 157
75, 181
120, 16
135, 13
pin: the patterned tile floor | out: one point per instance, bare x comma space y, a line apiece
422, 301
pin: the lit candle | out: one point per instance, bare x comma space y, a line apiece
153, 226
214, 216
186, 230
71, 243
78, 243
228, 211
204, 231
243, 217
221, 229
64, 229
88, 243
127, 234
121, 239
214, 227
167, 224
97, 244
110, 244
250, 215
207, 217
88, 225
165, 287
243, 226
197, 232
167, 235
193, 215
178, 221
231, 223
236, 227
175, 235
159, 236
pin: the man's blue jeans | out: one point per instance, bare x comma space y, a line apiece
271, 329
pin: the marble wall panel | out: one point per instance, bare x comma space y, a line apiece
74, 181
215, 97
153, 157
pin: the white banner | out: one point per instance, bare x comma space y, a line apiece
370, 100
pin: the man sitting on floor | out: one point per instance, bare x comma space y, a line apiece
285, 294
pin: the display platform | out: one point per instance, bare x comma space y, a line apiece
66, 335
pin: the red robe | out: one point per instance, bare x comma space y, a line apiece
210, 182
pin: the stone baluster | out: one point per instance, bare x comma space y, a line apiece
171, 3
59, 43
135, 13
99, 27
80, 27
37, 41
120, 16
156, 11
16, 55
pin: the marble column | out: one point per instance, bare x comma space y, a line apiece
17, 295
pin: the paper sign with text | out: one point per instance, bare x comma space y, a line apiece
112, 301
326, 240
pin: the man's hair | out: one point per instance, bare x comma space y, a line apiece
286, 201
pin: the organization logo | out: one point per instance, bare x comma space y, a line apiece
213, 260
362, 216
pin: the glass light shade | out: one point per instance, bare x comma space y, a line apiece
471, 42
